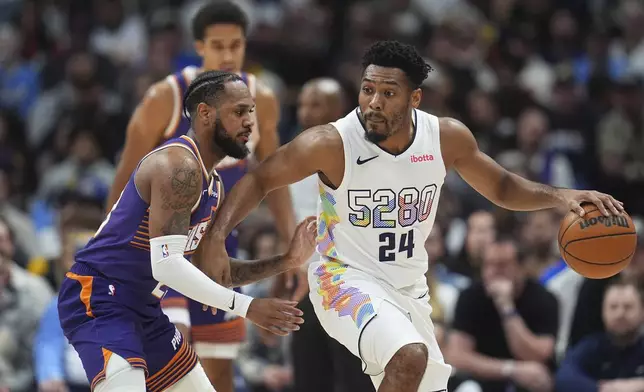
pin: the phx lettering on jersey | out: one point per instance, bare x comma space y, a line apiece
421, 158
607, 221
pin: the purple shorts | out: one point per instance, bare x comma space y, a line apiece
101, 318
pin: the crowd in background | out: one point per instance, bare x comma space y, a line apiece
552, 89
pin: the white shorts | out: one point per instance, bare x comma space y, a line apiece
374, 320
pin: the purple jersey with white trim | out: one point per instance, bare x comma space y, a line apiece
120, 249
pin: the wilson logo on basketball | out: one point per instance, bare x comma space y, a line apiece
421, 158
607, 221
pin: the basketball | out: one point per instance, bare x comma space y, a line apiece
597, 246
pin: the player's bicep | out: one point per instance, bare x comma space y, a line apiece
309, 153
475, 167
174, 190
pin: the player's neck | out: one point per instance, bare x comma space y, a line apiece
401, 140
210, 154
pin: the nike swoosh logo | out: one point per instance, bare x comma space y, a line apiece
362, 162
232, 307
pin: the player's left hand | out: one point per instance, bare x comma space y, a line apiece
303, 242
606, 203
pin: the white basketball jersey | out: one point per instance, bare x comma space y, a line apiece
379, 217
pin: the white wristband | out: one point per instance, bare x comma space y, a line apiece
173, 270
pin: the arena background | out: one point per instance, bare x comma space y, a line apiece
552, 89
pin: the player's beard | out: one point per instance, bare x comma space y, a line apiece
228, 144
390, 127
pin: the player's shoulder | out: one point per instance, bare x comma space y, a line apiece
263, 90
455, 137
160, 92
170, 157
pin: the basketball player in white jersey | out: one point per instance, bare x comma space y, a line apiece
219, 29
381, 169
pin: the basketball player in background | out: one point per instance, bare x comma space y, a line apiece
381, 169
109, 303
219, 30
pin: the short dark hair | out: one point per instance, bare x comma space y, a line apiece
207, 88
218, 12
394, 54
622, 281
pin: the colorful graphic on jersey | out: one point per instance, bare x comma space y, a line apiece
346, 300
326, 222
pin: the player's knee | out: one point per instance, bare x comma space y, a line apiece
410, 360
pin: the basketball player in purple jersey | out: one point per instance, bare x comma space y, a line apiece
109, 303
219, 30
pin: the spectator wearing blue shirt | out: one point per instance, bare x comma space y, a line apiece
612, 361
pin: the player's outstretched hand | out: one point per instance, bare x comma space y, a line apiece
606, 203
275, 315
303, 242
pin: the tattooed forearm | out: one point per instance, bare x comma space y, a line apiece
243, 272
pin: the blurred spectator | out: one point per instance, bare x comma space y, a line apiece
25, 235
84, 171
539, 241
19, 84
587, 319
611, 361
80, 93
23, 298
481, 232
119, 35
504, 327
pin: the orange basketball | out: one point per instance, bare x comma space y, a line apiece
597, 246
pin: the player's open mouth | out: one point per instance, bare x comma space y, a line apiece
244, 137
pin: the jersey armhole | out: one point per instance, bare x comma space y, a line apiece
435, 126
346, 174
176, 108
156, 150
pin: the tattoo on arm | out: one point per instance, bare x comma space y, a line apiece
243, 272
178, 194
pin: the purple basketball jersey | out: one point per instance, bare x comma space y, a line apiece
109, 302
120, 250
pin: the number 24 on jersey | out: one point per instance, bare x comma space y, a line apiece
408, 207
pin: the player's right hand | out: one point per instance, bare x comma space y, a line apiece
275, 315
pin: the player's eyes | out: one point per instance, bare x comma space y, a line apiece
389, 94
366, 90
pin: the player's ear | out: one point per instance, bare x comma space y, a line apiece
416, 96
203, 111
199, 47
